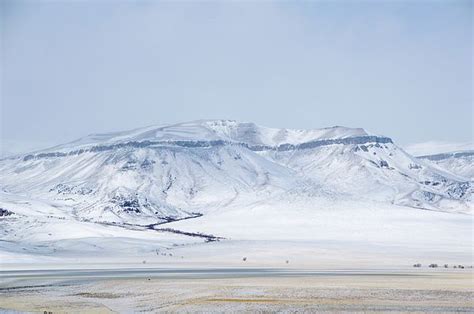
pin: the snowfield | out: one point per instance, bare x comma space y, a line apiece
213, 191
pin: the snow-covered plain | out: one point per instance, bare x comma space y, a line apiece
212, 192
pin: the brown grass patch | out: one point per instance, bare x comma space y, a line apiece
98, 295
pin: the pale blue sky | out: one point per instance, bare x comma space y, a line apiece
398, 68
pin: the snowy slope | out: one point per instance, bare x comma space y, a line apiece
143, 185
457, 158
460, 163
380, 171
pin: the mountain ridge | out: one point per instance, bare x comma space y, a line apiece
214, 130
460, 163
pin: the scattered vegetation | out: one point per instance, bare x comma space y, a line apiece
434, 265
5, 212
207, 237
99, 295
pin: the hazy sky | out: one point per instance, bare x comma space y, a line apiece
70, 68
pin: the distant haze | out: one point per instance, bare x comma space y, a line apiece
397, 68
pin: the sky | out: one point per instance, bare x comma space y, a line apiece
397, 68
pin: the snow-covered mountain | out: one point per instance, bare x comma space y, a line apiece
161, 192
457, 158
460, 163
163, 173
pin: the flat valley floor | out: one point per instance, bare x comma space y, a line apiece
237, 290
